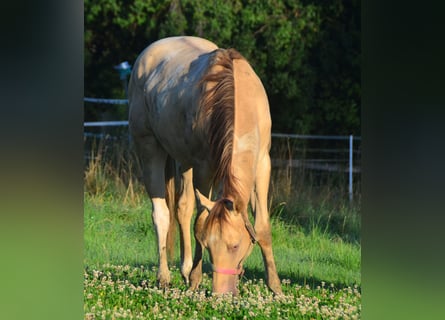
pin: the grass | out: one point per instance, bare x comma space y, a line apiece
130, 292
316, 247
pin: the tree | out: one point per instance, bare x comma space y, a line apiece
306, 52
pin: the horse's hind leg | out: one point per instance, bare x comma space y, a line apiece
186, 205
153, 159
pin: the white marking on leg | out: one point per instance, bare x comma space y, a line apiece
161, 219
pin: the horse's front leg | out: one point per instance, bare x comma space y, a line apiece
186, 206
196, 274
201, 181
262, 223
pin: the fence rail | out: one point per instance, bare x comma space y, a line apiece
105, 124
317, 137
331, 165
105, 101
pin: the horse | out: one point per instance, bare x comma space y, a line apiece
200, 121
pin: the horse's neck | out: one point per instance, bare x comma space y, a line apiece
244, 164
246, 143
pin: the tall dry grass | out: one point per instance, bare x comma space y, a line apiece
112, 169
314, 198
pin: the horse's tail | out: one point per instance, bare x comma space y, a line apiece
170, 197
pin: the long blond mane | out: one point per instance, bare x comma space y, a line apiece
218, 109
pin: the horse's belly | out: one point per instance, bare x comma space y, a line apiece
178, 139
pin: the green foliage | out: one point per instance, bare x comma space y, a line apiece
307, 53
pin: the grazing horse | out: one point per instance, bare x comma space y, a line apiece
200, 113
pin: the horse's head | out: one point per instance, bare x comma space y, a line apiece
229, 237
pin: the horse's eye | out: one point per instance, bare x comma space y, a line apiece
234, 247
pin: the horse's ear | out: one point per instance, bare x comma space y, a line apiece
203, 202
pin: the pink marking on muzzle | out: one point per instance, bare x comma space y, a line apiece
227, 271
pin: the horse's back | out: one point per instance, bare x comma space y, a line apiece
162, 64
171, 52
164, 90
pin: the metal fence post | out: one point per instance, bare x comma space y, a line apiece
350, 166
124, 69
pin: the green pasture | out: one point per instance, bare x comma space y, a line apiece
123, 234
320, 271
316, 241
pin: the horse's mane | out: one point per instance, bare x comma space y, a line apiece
217, 217
218, 107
